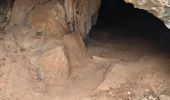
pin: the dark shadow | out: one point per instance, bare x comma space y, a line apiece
6, 7
122, 19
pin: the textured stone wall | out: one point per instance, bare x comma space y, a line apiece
56, 17
160, 8
50, 34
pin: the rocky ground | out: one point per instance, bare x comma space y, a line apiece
140, 68
118, 68
43, 56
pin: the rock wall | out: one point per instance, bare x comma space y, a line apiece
49, 33
56, 17
160, 8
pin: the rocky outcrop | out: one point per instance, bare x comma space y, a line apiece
56, 17
160, 8
61, 23
52, 64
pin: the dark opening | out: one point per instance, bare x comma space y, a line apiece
5, 12
123, 20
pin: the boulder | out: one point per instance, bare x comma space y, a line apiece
53, 64
75, 47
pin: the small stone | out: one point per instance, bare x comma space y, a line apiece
129, 92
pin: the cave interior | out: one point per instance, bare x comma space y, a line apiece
122, 19
125, 56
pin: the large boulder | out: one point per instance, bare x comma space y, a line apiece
52, 64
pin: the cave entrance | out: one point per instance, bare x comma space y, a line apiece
124, 31
121, 19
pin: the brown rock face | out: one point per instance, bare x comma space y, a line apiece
66, 21
49, 18
56, 17
76, 48
21, 10
53, 64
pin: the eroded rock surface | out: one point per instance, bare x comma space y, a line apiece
44, 42
52, 64
36, 23
75, 47
56, 17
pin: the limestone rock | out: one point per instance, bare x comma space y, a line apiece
21, 9
53, 64
56, 17
86, 12
76, 48
49, 18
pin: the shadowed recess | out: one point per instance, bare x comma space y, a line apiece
122, 19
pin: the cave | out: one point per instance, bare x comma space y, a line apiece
123, 19
84, 50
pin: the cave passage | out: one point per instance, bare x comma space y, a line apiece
123, 20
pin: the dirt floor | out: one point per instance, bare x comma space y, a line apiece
139, 70
119, 68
